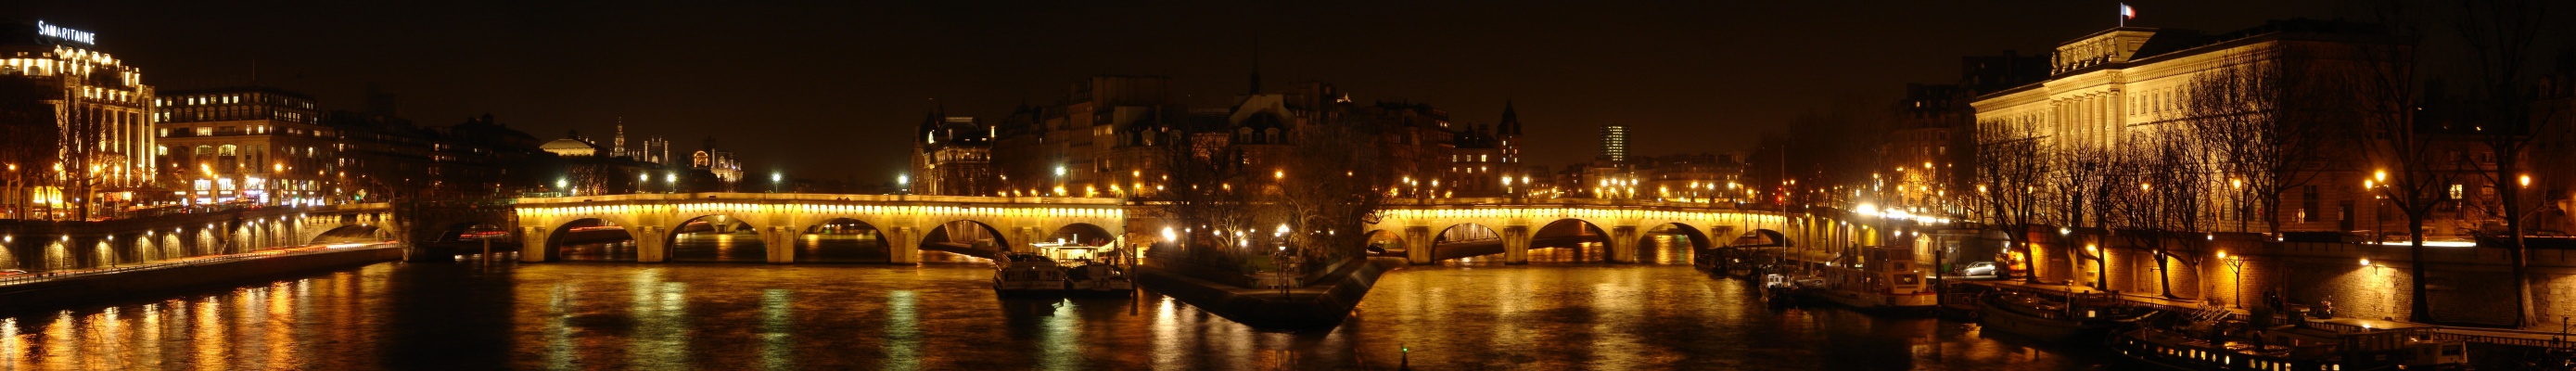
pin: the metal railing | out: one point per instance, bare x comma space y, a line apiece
28, 278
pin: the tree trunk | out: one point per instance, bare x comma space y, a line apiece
2029, 263
2420, 310
2522, 314
2164, 274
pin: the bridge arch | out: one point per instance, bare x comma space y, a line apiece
1085, 234
345, 234
1385, 241
1672, 243
1583, 240
591, 239
965, 237
1465, 240
843, 240
716, 237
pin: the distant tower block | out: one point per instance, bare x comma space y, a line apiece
1614, 143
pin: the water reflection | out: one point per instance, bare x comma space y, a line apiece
1545, 315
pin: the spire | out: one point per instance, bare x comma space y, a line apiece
1511, 124
1256, 66
620, 150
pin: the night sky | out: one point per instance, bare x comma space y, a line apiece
833, 90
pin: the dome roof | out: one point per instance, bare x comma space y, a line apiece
566, 143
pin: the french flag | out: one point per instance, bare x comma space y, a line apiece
2127, 12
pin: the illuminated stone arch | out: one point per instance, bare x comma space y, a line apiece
727, 248
809, 243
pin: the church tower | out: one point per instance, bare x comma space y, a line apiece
620, 149
1509, 131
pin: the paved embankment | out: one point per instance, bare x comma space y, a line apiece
128, 282
2474, 335
1318, 306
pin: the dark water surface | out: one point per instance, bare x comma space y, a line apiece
942, 316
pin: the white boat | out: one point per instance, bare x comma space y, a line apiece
1100, 278
1026, 273
1876, 278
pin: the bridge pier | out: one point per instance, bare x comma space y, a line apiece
1417, 244
780, 243
532, 244
1623, 244
652, 244
1516, 241
904, 243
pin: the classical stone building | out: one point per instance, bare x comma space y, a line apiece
2125, 87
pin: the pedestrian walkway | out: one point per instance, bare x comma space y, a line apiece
2512, 337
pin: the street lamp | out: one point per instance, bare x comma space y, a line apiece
773, 182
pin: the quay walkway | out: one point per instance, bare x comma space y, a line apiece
2511, 337
194, 261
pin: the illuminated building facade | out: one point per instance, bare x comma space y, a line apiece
258, 145
722, 164
2129, 86
99, 148
953, 156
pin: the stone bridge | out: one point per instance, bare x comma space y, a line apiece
1622, 224
38, 246
902, 222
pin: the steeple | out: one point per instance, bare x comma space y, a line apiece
1511, 124
1256, 67
929, 124
620, 150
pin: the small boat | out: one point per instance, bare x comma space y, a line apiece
1778, 289
2081, 317
1028, 273
2209, 340
1099, 278
1875, 278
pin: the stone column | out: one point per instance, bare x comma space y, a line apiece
652, 244
1516, 243
1623, 244
532, 245
780, 243
1417, 244
903, 245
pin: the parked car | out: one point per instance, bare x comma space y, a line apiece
1978, 269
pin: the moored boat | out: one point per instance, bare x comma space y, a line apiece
1875, 278
1099, 278
2080, 317
1027, 273
2209, 341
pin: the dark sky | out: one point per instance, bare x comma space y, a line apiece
833, 90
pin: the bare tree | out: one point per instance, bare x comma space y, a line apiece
2410, 168
2012, 165
2502, 36
28, 134
2074, 191
1330, 186
2257, 115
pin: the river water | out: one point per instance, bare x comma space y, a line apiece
1557, 313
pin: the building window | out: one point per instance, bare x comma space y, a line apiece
2456, 191
2308, 205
